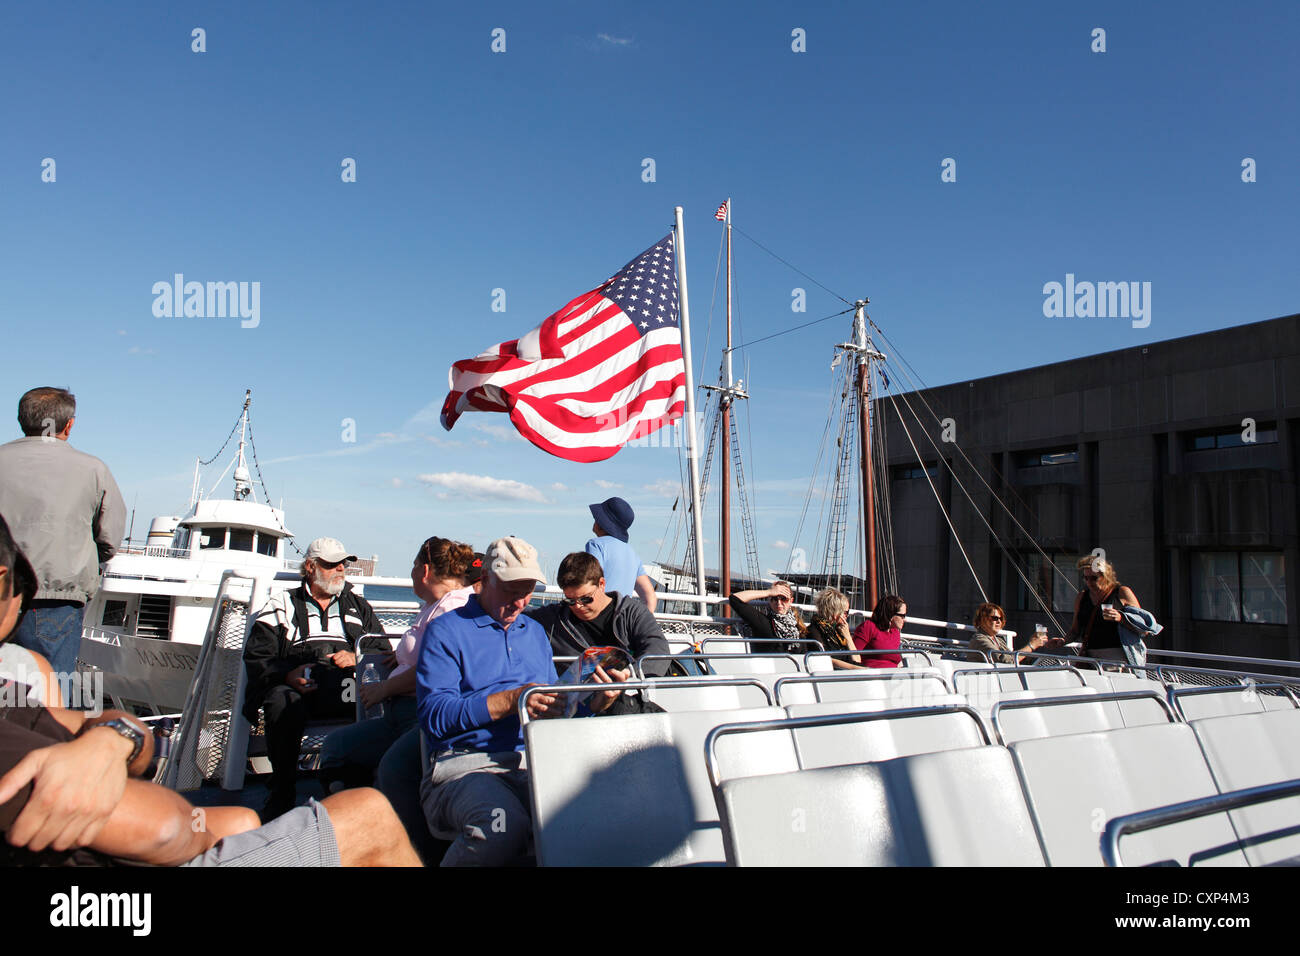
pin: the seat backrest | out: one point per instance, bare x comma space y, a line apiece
957, 808
753, 664
1077, 782
1030, 723
883, 739
901, 691
1251, 750
634, 790
722, 697
1222, 702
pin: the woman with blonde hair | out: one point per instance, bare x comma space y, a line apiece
989, 619
830, 627
1096, 609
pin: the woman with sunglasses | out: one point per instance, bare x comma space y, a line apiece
775, 619
883, 631
989, 619
1096, 609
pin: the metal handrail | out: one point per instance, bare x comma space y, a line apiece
863, 675
1080, 699
1187, 810
901, 652
825, 720
640, 672
737, 639
1288, 691
1268, 661
1019, 669
642, 684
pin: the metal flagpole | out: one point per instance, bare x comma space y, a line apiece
692, 447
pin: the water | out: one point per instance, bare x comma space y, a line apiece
389, 592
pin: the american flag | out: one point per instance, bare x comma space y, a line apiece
721, 214
603, 370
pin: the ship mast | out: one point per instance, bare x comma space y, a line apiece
243, 480
864, 353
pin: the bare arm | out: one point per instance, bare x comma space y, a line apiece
645, 590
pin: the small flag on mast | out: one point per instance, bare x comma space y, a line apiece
603, 370
721, 214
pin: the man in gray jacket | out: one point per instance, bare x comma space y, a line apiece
67, 515
588, 617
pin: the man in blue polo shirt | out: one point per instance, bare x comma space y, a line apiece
474, 664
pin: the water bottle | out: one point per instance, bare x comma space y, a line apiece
371, 676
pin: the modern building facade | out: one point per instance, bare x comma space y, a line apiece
1179, 459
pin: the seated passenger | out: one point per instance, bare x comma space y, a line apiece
830, 627
989, 619
65, 796
475, 663
350, 755
590, 617
300, 653
777, 619
883, 631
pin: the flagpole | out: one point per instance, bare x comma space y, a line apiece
692, 447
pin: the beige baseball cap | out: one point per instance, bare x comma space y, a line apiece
513, 559
328, 549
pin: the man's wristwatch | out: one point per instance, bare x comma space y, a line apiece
131, 732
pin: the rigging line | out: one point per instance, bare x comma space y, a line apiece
836, 411
708, 329
979, 514
938, 500
987, 460
262, 482
812, 478
204, 464
918, 385
790, 264
825, 318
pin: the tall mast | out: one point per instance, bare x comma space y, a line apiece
692, 446
724, 545
243, 481
864, 353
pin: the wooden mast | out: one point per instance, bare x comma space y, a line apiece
724, 577
865, 353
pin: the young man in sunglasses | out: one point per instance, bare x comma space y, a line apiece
590, 617
300, 654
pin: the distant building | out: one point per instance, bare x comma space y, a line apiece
1178, 458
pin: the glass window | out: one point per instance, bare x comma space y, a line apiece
1248, 586
1263, 587
916, 471
1040, 459
266, 544
241, 539
1047, 581
212, 538
1232, 438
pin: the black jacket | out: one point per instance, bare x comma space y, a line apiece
635, 630
278, 644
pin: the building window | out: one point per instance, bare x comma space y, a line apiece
1244, 586
1231, 438
211, 538
905, 472
1059, 583
1043, 459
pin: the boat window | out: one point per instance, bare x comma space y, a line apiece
114, 614
241, 539
212, 538
181, 541
267, 544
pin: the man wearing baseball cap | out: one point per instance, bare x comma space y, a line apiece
474, 664
624, 572
299, 654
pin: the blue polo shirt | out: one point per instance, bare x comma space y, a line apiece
467, 656
619, 562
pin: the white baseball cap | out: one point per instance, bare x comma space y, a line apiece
330, 550
513, 559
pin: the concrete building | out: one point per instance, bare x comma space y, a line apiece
1178, 458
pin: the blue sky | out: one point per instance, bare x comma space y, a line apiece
522, 171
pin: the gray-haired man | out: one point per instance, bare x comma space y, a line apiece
66, 514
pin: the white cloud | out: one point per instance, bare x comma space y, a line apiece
781, 545
439, 442
602, 483
481, 487
499, 432
560, 488
396, 482
386, 436
613, 40
663, 488
136, 350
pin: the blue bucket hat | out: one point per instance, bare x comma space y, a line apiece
615, 516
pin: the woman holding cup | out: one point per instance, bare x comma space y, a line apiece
989, 619
1096, 610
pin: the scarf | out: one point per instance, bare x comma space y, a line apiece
784, 625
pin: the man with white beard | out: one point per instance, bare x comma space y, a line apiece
301, 660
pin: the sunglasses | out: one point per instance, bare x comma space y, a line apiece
996, 617
584, 600
330, 565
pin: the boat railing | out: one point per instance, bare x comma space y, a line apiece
152, 551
